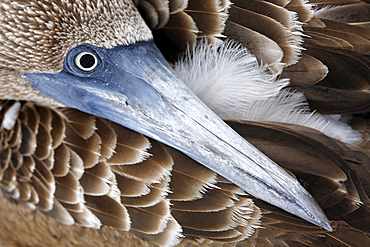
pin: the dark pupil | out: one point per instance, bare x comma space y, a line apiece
87, 61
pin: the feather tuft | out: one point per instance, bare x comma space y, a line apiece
217, 75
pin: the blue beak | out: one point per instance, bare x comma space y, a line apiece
135, 87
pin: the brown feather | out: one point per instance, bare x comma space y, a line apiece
360, 218
130, 187
68, 189
342, 233
356, 13
301, 8
157, 191
270, 28
43, 173
156, 166
62, 157
322, 39
130, 147
43, 147
212, 201
44, 195
109, 211
28, 144
341, 202
24, 191
77, 164
333, 2
308, 70
87, 150
150, 220
188, 21
354, 72
93, 182
165, 237
356, 42
156, 12
57, 129
83, 124
265, 49
177, 5
280, 14
108, 138
25, 172
74, 207
207, 15
189, 179
30, 117
210, 221
60, 213
15, 136
344, 27
8, 181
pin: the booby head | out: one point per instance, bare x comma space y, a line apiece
99, 57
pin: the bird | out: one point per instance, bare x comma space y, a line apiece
103, 144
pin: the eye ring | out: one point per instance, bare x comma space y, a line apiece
86, 61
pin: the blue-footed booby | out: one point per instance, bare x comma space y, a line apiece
100, 131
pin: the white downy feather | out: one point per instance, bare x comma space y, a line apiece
229, 80
217, 75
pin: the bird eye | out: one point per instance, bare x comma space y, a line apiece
86, 61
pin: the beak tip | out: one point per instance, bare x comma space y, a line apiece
324, 223
315, 215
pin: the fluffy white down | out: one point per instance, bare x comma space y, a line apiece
229, 80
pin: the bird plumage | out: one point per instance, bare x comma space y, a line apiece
83, 170
223, 87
